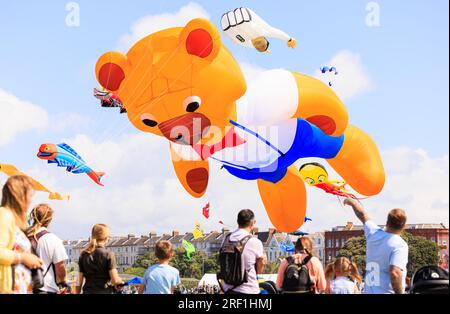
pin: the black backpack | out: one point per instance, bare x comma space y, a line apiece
232, 267
296, 277
34, 239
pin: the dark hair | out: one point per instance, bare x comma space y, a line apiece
396, 219
245, 217
163, 250
313, 164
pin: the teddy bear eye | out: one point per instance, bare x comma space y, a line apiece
192, 103
148, 120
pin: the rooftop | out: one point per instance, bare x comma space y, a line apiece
423, 226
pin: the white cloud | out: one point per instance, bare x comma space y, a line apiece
69, 121
19, 116
352, 79
251, 70
153, 23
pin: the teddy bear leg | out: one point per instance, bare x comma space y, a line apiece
285, 201
359, 162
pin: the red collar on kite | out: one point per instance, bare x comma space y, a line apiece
231, 139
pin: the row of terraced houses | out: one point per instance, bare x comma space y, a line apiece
129, 249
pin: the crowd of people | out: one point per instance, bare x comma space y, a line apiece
32, 258
386, 260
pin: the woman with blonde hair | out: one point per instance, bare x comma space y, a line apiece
343, 277
50, 248
97, 266
16, 259
302, 272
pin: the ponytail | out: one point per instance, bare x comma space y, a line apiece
91, 247
41, 216
354, 273
100, 233
329, 271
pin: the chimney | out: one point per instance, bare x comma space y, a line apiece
152, 234
225, 230
131, 236
175, 233
349, 226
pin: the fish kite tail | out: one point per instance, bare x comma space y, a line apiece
59, 197
96, 177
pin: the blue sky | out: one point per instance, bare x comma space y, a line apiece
49, 64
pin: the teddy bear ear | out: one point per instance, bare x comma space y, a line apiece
201, 38
110, 70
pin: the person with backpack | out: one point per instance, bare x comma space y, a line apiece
302, 272
50, 249
241, 258
97, 265
343, 277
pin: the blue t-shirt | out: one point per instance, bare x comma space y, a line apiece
383, 250
159, 279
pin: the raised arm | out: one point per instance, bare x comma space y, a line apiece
358, 209
269, 30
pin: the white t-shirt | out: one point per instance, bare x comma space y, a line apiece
50, 249
253, 250
342, 285
267, 108
383, 250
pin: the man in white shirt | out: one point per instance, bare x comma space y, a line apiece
253, 254
246, 28
49, 248
386, 252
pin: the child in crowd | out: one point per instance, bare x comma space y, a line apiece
161, 278
342, 277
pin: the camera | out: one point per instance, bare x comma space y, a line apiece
37, 278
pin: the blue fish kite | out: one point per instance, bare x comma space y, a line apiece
287, 248
65, 156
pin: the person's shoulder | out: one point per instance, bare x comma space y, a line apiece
254, 240
148, 270
173, 269
399, 242
50, 236
83, 256
370, 224
315, 260
6, 215
104, 252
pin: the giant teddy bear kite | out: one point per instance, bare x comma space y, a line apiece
183, 84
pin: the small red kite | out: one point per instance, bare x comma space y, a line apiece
206, 211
